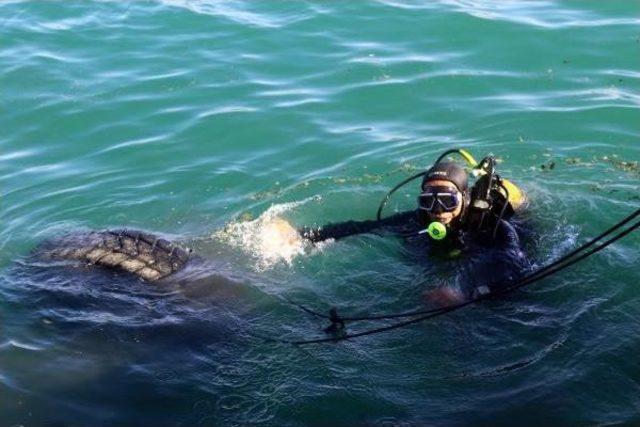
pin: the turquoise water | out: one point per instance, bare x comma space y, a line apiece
204, 120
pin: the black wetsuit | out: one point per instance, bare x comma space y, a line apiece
492, 261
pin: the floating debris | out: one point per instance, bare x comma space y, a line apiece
245, 217
631, 167
550, 165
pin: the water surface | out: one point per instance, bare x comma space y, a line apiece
203, 120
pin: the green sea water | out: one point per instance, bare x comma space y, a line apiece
204, 120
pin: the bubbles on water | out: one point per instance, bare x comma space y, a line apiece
270, 238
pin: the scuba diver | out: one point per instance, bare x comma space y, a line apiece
451, 220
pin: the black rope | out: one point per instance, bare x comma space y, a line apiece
549, 272
530, 276
337, 324
469, 302
362, 318
306, 309
541, 273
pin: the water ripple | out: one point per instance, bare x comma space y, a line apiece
205, 121
535, 13
239, 13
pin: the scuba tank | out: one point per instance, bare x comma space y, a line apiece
492, 196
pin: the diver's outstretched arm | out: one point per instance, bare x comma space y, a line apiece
145, 255
340, 230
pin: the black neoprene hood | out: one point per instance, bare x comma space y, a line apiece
448, 171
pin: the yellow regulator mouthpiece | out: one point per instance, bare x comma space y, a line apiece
437, 230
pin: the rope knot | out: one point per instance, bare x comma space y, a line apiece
337, 324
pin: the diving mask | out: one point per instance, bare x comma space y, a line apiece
439, 199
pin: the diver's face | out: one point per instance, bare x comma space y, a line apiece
444, 208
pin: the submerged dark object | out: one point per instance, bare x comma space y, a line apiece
145, 255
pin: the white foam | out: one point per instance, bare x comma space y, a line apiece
270, 239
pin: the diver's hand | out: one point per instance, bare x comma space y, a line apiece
444, 296
283, 233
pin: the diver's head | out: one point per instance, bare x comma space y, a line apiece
444, 193
440, 201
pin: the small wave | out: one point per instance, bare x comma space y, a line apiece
269, 238
235, 12
15, 344
567, 100
535, 13
569, 234
524, 362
